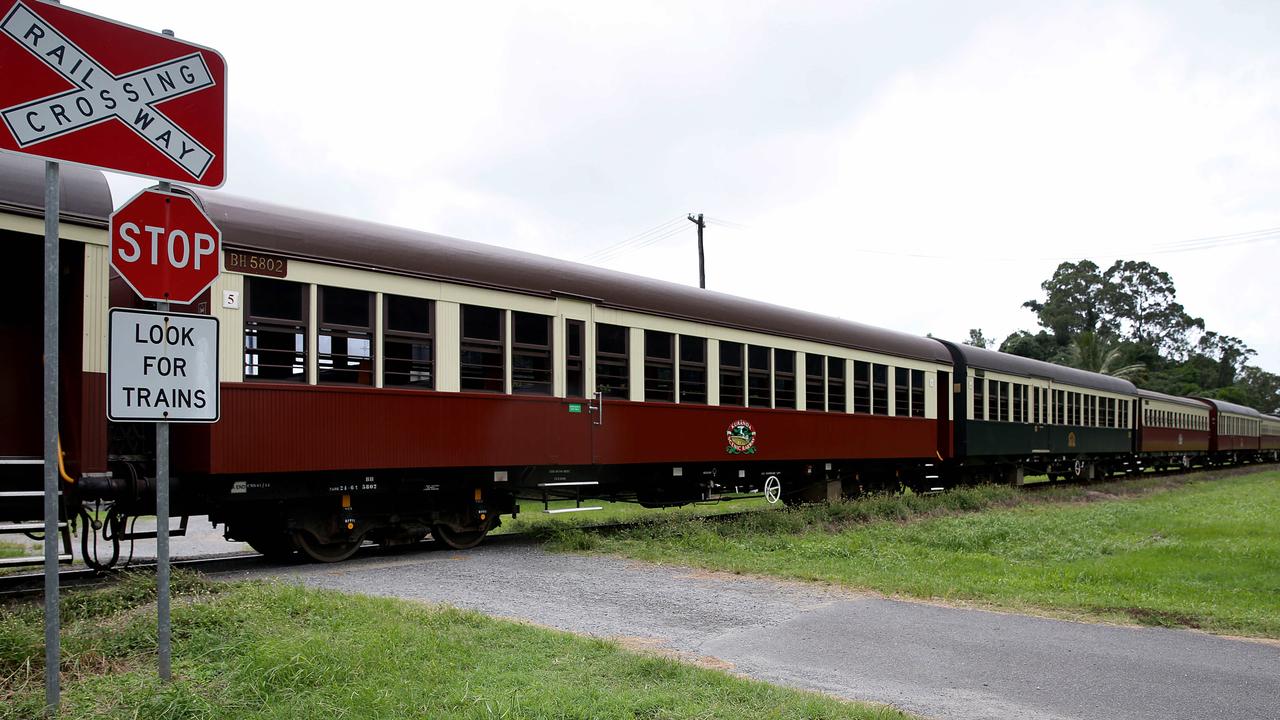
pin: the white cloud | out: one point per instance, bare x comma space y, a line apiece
835, 131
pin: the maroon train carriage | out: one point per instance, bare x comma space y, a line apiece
1234, 431
1269, 440
86, 203
394, 382
1173, 431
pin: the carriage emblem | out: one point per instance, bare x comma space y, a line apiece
1071, 439
742, 438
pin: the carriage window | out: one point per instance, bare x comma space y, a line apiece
1017, 402
1060, 407
784, 379
758, 394
407, 342
1037, 407
693, 370
574, 338
344, 344
901, 392
917, 393
483, 367
275, 330
1004, 402
613, 369
880, 389
979, 399
530, 354
815, 388
835, 384
659, 366
731, 375
861, 386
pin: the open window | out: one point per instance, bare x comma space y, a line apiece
879, 389
530, 354
815, 385
784, 379
693, 370
483, 365
732, 374
344, 343
759, 359
901, 392
861, 386
835, 385
408, 342
659, 366
275, 330
613, 369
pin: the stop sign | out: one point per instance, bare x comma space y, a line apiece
165, 247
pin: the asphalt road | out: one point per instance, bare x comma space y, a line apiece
936, 661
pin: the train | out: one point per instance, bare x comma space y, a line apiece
381, 384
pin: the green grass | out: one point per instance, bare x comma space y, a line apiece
533, 519
1199, 551
8, 550
257, 650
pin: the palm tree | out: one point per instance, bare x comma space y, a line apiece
1091, 353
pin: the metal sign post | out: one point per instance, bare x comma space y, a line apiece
163, 626
52, 624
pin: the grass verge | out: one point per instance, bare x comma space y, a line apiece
1199, 551
258, 650
532, 519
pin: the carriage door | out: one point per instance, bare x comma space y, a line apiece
1040, 440
945, 423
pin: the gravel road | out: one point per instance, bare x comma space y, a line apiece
936, 661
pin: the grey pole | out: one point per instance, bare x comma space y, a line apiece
52, 644
702, 264
163, 629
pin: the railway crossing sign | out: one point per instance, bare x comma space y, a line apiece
80, 88
165, 247
162, 367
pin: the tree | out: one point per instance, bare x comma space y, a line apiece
1040, 346
1072, 303
977, 339
1261, 389
1091, 353
1230, 353
1141, 300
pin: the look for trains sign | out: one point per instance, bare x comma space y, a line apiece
84, 89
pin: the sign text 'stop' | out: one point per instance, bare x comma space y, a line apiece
79, 88
164, 246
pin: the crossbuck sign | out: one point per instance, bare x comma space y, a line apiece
94, 91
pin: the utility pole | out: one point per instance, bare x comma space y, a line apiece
702, 262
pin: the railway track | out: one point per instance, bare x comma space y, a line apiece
29, 584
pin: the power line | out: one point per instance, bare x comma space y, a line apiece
646, 243
675, 221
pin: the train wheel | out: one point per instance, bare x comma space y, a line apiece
459, 539
278, 547
772, 489
325, 552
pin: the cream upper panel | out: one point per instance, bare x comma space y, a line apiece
66, 231
1046, 386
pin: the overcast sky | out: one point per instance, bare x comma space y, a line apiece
919, 166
